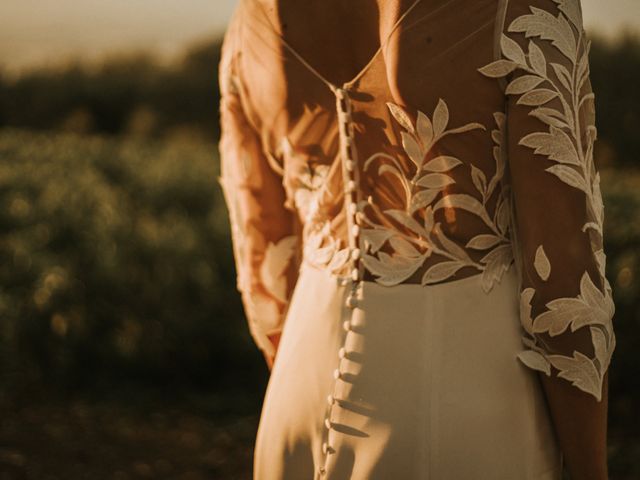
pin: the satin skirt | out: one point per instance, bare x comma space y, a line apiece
428, 386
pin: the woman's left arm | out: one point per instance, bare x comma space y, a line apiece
566, 303
581, 425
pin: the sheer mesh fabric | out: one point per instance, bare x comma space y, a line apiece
471, 134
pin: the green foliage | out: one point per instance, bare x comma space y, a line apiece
621, 192
115, 256
615, 75
115, 261
136, 95
116, 267
130, 94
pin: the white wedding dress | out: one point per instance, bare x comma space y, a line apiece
426, 237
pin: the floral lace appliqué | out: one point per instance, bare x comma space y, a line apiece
541, 82
421, 189
321, 248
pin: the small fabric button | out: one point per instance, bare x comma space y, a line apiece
336, 373
355, 253
346, 325
355, 230
350, 164
327, 423
345, 129
326, 448
345, 116
342, 352
331, 399
354, 274
351, 186
353, 208
351, 302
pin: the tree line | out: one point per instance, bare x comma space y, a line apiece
137, 95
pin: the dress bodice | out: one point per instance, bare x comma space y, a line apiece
464, 146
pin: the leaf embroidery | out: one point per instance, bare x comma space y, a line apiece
483, 241
435, 181
424, 237
537, 97
544, 25
320, 247
328, 255
263, 315
441, 271
569, 176
440, 118
496, 262
525, 309
392, 270
443, 163
425, 129
541, 263
563, 143
535, 360
274, 264
375, 238
588, 308
580, 371
600, 347
523, 84
571, 9
499, 68
538, 60
556, 144
401, 117
512, 50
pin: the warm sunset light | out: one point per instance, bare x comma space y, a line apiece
240, 243
47, 31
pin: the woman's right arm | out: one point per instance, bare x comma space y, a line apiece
265, 234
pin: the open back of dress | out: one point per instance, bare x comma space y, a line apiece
461, 155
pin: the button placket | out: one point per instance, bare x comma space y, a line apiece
351, 180
350, 174
351, 183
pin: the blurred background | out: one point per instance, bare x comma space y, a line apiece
124, 352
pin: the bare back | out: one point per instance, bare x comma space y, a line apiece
421, 142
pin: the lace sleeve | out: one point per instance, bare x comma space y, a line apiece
566, 303
264, 233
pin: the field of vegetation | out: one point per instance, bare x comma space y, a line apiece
121, 325
124, 352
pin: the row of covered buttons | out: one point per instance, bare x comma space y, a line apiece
332, 399
350, 172
349, 157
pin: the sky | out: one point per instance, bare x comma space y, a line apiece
36, 32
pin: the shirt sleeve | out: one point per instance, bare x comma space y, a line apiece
566, 305
265, 233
